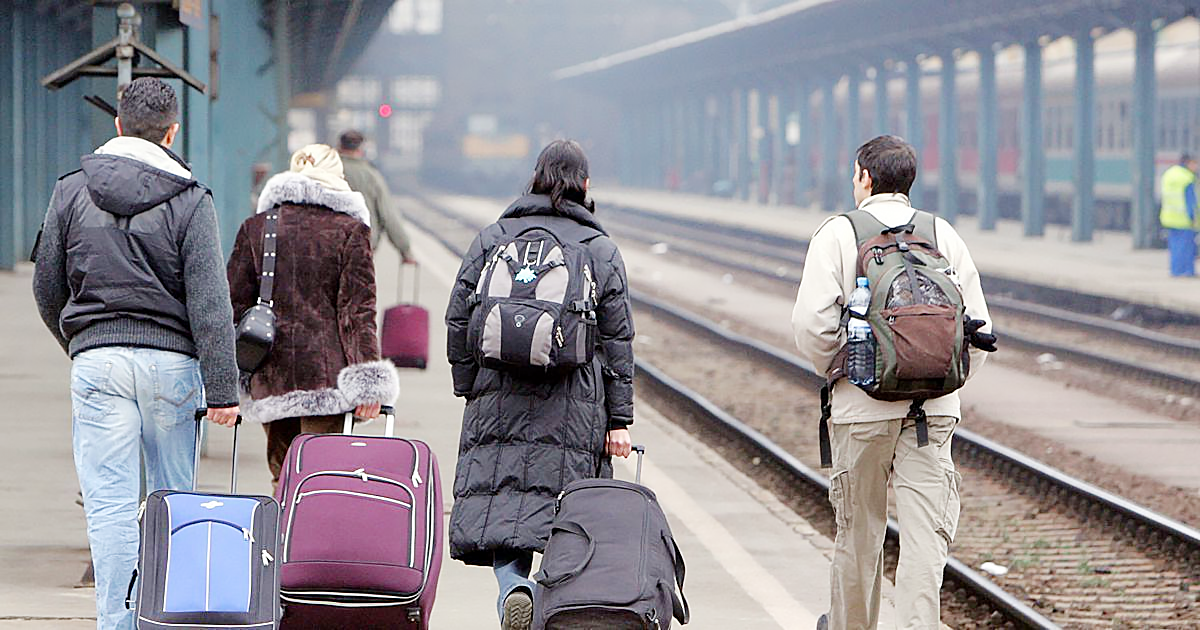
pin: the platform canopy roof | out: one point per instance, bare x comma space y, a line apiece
817, 37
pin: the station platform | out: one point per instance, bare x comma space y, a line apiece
1005, 391
1108, 266
775, 578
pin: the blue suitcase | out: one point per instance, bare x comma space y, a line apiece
208, 560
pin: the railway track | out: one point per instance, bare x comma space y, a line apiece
1079, 556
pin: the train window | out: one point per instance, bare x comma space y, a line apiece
416, 91
423, 17
361, 91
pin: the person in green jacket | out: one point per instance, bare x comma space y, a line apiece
366, 179
1178, 215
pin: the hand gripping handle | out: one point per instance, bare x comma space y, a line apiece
388, 411
200, 414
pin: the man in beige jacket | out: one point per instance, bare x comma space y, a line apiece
872, 441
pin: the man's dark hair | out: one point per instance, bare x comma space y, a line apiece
351, 140
561, 173
891, 162
1186, 157
147, 109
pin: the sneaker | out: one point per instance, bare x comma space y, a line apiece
823, 622
518, 611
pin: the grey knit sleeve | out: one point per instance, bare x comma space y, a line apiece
209, 310
50, 288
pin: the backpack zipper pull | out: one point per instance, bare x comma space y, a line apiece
361, 472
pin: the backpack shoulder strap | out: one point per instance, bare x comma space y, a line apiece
926, 226
865, 225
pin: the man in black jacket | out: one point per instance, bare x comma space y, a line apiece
131, 281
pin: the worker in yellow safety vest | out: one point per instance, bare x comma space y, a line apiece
1178, 215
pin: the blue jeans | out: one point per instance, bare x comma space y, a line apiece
512, 569
1182, 247
128, 403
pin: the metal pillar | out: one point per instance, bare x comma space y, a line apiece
912, 124
986, 190
1084, 209
1033, 169
708, 143
804, 179
722, 126
785, 104
853, 113
197, 106
948, 141
763, 146
881, 100
10, 131
1143, 220
747, 146
830, 181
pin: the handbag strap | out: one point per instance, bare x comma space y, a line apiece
270, 235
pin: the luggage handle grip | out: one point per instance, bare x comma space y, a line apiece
200, 414
641, 452
129, 591
389, 413
571, 527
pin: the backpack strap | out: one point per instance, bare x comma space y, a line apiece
866, 226
926, 226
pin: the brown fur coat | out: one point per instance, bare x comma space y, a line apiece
325, 359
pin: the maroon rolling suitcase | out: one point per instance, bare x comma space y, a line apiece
362, 539
404, 338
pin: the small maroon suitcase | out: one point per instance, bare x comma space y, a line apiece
362, 536
405, 335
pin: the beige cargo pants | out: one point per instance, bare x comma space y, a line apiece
866, 456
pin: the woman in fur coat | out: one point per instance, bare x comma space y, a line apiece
325, 359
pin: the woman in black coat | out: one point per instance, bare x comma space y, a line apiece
526, 436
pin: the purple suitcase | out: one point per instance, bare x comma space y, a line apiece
404, 338
362, 539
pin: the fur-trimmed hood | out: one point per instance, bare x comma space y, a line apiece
358, 384
289, 187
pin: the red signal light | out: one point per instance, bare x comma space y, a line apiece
385, 111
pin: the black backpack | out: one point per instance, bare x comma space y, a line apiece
611, 562
534, 307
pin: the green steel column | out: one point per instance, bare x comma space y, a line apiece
785, 98
1143, 220
1084, 209
36, 169
746, 176
988, 208
948, 141
10, 131
707, 159
831, 179
804, 179
763, 149
853, 113
881, 100
737, 139
198, 112
913, 129
1033, 169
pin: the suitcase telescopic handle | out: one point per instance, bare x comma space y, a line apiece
200, 414
416, 282
389, 414
641, 452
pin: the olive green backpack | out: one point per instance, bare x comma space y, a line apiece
920, 348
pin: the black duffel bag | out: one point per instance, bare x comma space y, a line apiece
611, 562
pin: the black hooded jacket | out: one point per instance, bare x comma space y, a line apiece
130, 255
523, 440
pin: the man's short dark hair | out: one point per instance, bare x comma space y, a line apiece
351, 140
147, 109
891, 162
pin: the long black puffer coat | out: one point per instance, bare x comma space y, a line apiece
524, 440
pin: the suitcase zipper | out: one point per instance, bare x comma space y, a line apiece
359, 474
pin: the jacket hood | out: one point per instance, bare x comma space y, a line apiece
294, 188
127, 186
539, 205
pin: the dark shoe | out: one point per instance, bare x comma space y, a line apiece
823, 622
518, 611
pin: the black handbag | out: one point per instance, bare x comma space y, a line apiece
256, 330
